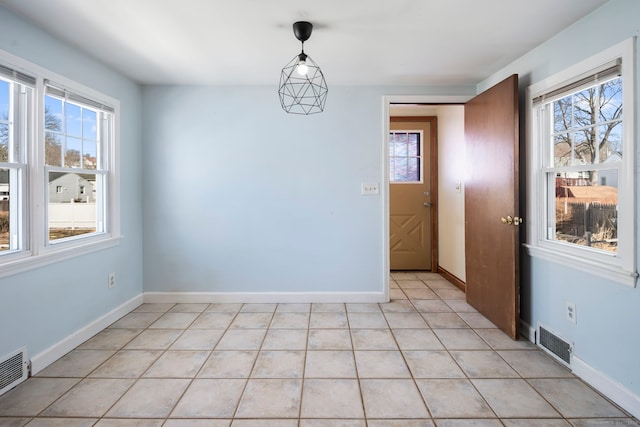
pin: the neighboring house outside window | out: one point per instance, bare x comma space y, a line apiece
58, 184
581, 164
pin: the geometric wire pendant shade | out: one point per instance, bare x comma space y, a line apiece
303, 89
302, 94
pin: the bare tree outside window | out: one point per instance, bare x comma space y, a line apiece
588, 125
587, 152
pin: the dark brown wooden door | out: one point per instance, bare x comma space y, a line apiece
491, 194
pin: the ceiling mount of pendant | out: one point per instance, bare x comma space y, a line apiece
302, 30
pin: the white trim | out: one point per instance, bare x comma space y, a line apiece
527, 332
621, 267
615, 391
264, 297
26, 261
59, 349
586, 265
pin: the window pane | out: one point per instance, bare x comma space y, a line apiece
586, 209
585, 107
52, 114
52, 149
4, 120
611, 100
400, 169
611, 142
72, 153
72, 205
401, 145
4, 142
89, 158
5, 87
414, 144
562, 114
583, 148
413, 170
561, 150
5, 219
89, 129
73, 118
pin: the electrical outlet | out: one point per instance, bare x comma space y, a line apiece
571, 312
111, 280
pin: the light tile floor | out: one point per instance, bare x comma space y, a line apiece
424, 359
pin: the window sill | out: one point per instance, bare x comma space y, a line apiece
21, 263
611, 272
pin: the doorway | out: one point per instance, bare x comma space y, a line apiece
429, 106
413, 193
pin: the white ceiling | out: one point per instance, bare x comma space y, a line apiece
245, 42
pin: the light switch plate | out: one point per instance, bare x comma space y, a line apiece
369, 188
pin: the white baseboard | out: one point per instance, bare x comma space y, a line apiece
615, 391
264, 297
527, 332
59, 349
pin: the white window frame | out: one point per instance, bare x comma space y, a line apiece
621, 266
36, 251
20, 99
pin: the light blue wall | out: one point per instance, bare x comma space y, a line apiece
241, 197
607, 334
43, 306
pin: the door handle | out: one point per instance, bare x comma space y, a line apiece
427, 204
510, 220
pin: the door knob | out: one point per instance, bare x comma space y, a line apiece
427, 204
511, 220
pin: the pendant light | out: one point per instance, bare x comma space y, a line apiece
303, 89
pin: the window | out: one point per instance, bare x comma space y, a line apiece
405, 156
75, 131
15, 102
57, 171
580, 150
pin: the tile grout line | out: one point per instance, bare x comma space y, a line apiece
260, 349
87, 376
191, 380
413, 378
253, 365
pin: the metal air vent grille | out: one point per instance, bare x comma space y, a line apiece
13, 369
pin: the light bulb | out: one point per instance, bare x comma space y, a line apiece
302, 68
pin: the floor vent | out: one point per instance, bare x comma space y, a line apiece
555, 345
13, 369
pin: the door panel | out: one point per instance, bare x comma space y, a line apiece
491, 193
410, 220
